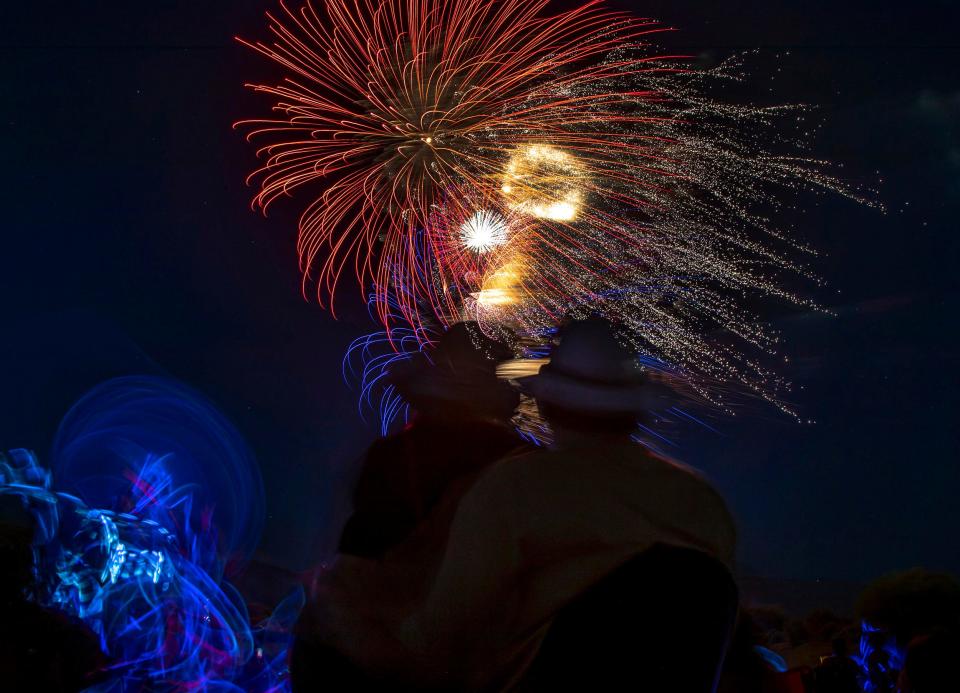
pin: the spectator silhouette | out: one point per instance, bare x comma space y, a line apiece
837, 673
40, 649
931, 663
748, 667
530, 536
459, 426
895, 610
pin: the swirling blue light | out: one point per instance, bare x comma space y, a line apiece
144, 570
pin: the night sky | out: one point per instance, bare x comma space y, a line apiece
129, 246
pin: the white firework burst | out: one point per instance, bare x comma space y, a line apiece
484, 230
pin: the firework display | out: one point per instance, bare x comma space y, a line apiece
488, 160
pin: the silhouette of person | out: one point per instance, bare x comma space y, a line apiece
40, 649
930, 665
533, 532
461, 411
895, 610
837, 673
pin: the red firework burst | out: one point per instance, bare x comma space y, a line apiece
396, 111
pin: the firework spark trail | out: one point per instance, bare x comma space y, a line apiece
401, 106
623, 188
369, 359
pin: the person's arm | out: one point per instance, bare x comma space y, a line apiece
472, 598
477, 589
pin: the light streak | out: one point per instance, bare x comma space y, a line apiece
146, 575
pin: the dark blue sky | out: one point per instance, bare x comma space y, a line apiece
128, 245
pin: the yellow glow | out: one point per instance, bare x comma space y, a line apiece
501, 287
561, 211
495, 297
519, 368
544, 182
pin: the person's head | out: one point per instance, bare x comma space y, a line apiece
911, 603
16, 563
931, 662
896, 608
592, 384
457, 378
16, 551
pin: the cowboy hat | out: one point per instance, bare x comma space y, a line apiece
590, 371
460, 371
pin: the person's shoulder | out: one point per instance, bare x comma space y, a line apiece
692, 478
510, 475
490, 438
701, 503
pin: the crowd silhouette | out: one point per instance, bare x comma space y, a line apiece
474, 560
40, 649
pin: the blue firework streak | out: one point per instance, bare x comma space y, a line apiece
145, 570
369, 359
